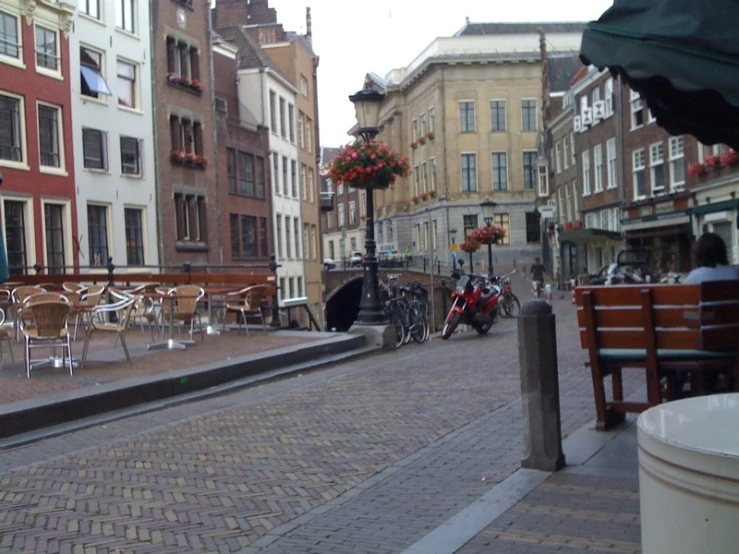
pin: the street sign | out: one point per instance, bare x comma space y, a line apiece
452, 247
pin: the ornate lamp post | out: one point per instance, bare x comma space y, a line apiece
488, 215
367, 103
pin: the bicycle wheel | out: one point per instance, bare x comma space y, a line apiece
397, 324
416, 327
512, 306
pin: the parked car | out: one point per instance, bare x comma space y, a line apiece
631, 267
328, 263
390, 258
356, 258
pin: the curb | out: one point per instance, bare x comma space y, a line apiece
31, 415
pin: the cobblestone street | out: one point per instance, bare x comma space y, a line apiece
368, 456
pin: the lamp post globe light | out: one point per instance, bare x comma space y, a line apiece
488, 215
367, 103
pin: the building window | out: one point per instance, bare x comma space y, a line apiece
303, 86
263, 238
425, 173
134, 221
124, 15
304, 181
276, 172
657, 167
9, 43
259, 178
54, 229
309, 134
291, 121
11, 129
47, 55
126, 84
283, 119
285, 182
231, 173
533, 228
637, 110
90, 7
469, 172
341, 216
575, 200
94, 149
48, 136
423, 125
467, 116
296, 236
97, 233
611, 169
182, 61
288, 240
573, 158
609, 97
500, 171
352, 213
638, 172
504, 220
528, 115
246, 175
131, 156
432, 120
558, 157
598, 163
93, 83
278, 234
249, 243
543, 181
311, 185
529, 170
469, 223
677, 163
187, 135
497, 116
15, 235
416, 181
415, 130
190, 217
433, 174
301, 130
586, 173
565, 153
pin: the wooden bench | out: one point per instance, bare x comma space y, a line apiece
663, 329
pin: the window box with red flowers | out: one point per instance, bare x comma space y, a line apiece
414, 144
432, 194
423, 196
422, 140
415, 200
697, 169
185, 83
368, 165
730, 158
187, 159
430, 135
712, 161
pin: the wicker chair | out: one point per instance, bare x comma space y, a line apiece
123, 310
249, 304
70, 286
49, 329
145, 308
19, 297
186, 306
5, 337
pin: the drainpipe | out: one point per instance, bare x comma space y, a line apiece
216, 164
446, 164
621, 141
155, 113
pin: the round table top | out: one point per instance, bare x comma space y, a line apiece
706, 424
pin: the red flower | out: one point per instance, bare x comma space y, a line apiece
730, 158
490, 234
712, 161
696, 169
362, 161
423, 196
469, 245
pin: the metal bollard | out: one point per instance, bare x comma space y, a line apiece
537, 355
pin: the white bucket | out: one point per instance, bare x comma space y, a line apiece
689, 476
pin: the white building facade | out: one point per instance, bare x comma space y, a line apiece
113, 134
275, 108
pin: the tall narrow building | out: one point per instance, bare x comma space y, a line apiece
114, 134
189, 225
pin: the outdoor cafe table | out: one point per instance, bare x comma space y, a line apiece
171, 343
212, 293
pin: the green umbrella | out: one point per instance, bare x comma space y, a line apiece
682, 56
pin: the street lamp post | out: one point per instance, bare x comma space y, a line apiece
488, 215
367, 103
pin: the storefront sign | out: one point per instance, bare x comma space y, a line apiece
655, 220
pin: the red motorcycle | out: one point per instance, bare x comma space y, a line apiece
475, 303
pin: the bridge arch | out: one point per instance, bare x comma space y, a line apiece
342, 304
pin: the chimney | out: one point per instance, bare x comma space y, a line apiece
231, 13
308, 25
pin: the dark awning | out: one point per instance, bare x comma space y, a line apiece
583, 236
714, 207
682, 56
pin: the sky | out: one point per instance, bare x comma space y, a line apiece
354, 38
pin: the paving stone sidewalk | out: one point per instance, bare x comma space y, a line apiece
366, 457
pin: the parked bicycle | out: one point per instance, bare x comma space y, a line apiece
406, 308
510, 305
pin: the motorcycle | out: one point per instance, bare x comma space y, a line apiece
475, 303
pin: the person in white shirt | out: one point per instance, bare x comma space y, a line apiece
711, 260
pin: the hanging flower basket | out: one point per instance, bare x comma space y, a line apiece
469, 245
490, 234
697, 169
368, 165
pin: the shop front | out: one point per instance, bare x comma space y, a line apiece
667, 235
587, 251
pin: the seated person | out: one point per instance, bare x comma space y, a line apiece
711, 260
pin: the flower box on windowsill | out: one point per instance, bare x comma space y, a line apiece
184, 159
195, 86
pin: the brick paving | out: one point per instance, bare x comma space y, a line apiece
14, 385
366, 457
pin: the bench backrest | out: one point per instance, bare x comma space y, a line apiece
678, 317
